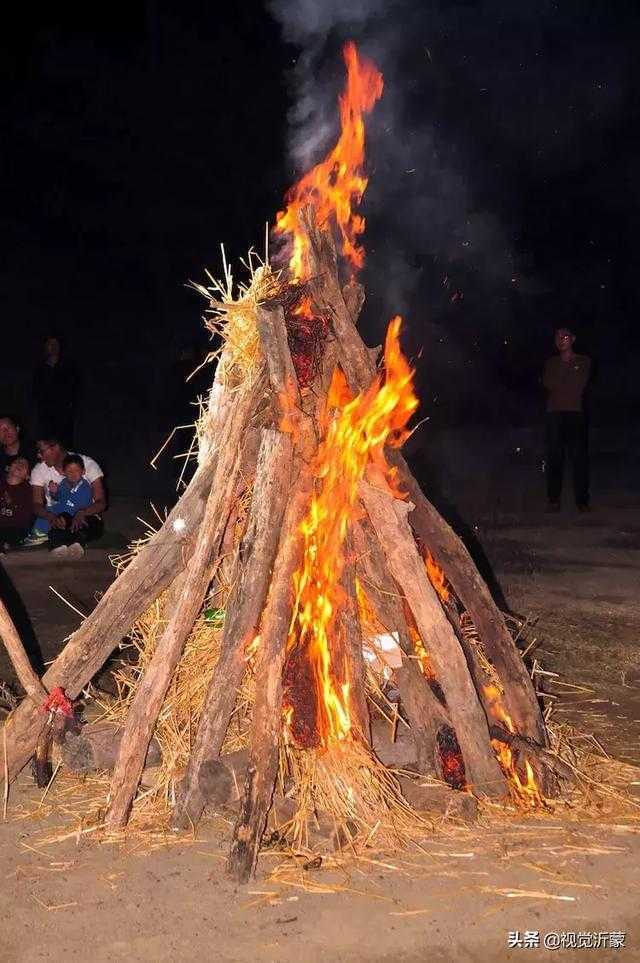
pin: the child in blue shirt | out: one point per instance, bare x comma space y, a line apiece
70, 497
74, 491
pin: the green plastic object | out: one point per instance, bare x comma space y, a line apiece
214, 616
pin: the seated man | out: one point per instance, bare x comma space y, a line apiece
45, 478
72, 497
13, 444
16, 504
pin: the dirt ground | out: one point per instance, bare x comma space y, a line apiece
456, 898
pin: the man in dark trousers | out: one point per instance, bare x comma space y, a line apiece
56, 387
565, 378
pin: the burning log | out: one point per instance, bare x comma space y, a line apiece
389, 519
544, 761
467, 583
425, 712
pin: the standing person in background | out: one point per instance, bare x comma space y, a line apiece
565, 378
56, 387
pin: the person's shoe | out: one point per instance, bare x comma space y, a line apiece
75, 551
34, 538
583, 508
552, 507
62, 551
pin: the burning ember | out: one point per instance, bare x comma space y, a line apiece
453, 771
437, 578
525, 789
306, 334
356, 431
335, 185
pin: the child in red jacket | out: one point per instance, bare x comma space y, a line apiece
16, 504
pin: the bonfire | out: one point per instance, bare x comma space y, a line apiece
303, 585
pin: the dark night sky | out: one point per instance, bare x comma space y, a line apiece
505, 157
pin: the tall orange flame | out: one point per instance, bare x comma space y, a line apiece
356, 430
336, 185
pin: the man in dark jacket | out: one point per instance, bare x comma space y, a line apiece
55, 388
565, 379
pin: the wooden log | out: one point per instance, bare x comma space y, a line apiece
539, 756
229, 568
354, 297
520, 699
182, 607
282, 375
267, 712
256, 557
19, 659
327, 294
389, 518
424, 712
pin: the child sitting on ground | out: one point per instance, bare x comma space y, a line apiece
16, 504
70, 497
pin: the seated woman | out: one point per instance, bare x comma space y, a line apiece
16, 504
74, 523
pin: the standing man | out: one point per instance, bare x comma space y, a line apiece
55, 388
565, 378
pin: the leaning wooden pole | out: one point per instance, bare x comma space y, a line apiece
425, 712
25, 672
389, 518
183, 603
256, 555
267, 711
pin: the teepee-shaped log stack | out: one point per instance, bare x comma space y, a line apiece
267, 429
268, 439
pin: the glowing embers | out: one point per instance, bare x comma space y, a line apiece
522, 780
451, 760
307, 331
355, 432
336, 185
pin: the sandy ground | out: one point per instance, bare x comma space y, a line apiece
460, 896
